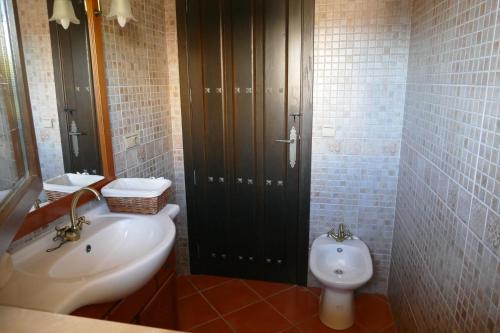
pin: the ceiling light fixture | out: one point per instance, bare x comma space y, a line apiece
64, 13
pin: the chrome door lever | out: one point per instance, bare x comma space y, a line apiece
285, 141
292, 154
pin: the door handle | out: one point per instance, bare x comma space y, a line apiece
292, 142
285, 141
76, 133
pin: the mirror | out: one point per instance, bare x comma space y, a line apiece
60, 83
12, 160
20, 182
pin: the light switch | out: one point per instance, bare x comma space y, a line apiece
328, 131
131, 141
47, 123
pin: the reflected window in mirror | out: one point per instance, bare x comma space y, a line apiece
12, 161
59, 74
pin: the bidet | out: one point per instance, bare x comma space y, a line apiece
340, 267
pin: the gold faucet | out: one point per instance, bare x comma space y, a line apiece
71, 233
341, 235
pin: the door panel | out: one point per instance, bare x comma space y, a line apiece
275, 128
244, 197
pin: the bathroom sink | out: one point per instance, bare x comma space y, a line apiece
116, 255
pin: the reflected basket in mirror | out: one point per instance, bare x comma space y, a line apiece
137, 195
62, 185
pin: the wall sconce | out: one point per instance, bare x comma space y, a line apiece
122, 11
64, 13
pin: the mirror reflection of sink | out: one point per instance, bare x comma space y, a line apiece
70, 182
116, 255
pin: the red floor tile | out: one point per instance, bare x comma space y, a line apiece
216, 326
184, 287
194, 310
390, 329
266, 289
315, 290
372, 312
203, 282
285, 306
314, 325
257, 318
230, 296
296, 304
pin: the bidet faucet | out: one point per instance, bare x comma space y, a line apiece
341, 235
71, 233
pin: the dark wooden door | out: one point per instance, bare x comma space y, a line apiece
74, 90
242, 130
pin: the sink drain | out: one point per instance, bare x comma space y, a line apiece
339, 271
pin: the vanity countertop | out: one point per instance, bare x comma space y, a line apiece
17, 320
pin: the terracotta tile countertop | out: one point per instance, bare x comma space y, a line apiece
17, 320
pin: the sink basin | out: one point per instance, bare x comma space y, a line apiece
116, 255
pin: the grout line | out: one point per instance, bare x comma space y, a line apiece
208, 288
220, 316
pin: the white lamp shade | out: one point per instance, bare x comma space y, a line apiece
122, 11
64, 13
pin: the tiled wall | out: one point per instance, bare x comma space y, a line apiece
445, 270
182, 251
360, 60
143, 92
35, 34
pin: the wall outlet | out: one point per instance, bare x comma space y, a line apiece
328, 131
131, 141
47, 123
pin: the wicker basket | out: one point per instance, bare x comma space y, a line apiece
138, 205
55, 195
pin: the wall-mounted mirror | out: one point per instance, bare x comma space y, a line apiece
20, 181
60, 79
12, 159
58, 69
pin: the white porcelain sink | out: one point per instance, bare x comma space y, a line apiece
116, 255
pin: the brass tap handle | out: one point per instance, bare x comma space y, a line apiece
81, 221
342, 234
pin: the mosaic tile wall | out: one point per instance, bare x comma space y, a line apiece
182, 244
361, 55
143, 92
445, 269
35, 35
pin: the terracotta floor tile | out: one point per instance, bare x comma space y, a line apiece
203, 282
315, 290
372, 312
230, 296
314, 325
296, 304
216, 326
257, 318
194, 310
266, 289
184, 287
390, 329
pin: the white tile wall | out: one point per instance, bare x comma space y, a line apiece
360, 60
445, 270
